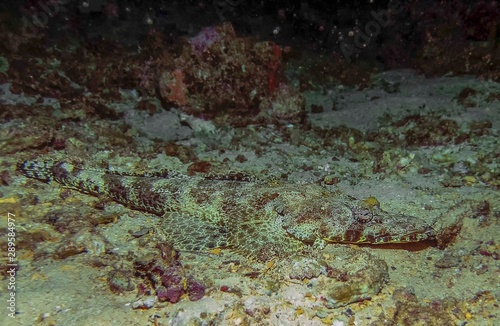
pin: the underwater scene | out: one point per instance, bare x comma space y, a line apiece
232, 162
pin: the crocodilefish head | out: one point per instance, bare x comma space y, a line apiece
338, 219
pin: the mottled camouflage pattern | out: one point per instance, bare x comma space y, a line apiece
257, 218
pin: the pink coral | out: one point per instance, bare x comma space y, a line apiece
206, 37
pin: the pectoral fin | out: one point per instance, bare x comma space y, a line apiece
191, 233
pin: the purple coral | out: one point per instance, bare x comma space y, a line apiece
162, 293
174, 293
169, 283
196, 290
206, 37
172, 276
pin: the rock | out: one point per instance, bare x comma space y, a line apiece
306, 268
353, 276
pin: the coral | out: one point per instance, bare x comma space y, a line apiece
482, 20
37, 136
4, 65
284, 106
409, 311
171, 294
167, 278
120, 281
173, 88
221, 75
214, 74
452, 44
195, 290
146, 75
205, 38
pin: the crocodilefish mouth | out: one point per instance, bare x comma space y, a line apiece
356, 236
412, 237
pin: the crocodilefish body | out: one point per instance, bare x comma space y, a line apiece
263, 219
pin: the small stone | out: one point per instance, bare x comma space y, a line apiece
139, 233
306, 268
447, 261
470, 180
146, 303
